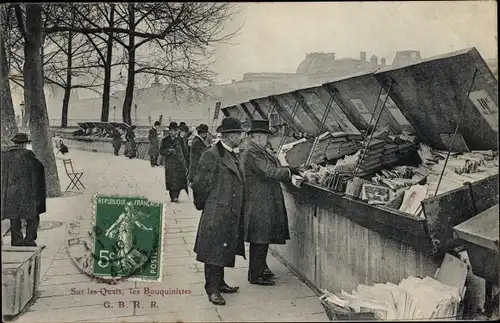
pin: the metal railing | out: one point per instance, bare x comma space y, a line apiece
191, 122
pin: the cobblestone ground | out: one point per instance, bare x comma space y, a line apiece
289, 300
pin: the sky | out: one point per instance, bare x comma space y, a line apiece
275, 37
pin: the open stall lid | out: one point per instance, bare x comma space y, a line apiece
431, 94
481, 230
83, 125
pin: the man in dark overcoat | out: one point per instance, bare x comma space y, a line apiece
174, 151
198, 146
266, 221
218, 190
117, 141
154, 145
23, 191
130, 145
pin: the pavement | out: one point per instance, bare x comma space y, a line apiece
64, 296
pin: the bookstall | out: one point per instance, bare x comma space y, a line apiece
393, 161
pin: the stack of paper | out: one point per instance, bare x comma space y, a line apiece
334, 145
413, 299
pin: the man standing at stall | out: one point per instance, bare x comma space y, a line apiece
218, 190
153, 147
198, 146
175, 153
117, 141
23, 191
266, 221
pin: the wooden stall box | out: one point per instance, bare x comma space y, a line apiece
20, 277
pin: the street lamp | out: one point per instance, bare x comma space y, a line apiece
114, 114
135, 114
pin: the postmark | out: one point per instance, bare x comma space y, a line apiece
122, 240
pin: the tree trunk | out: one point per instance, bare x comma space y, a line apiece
35, 98
107, 69
129, 91
67, 88
8, 121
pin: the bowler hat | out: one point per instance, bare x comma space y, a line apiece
20, 138
202, 128
173, 125
230, 124
259, 126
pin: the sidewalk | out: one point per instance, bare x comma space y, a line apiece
289, 300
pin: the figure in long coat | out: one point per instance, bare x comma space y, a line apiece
174, 152
154, 145
218, 190
266, 221
198, 146
23, 191
130, 145
117, 141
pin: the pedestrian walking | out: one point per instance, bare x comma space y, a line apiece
198, 146
117, 141
218, 191
154, 145
175, 154
130, 145
266, 221
23, 191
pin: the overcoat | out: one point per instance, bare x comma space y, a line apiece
130, 145
220, 231
266, 220
117, 139
174, 153
198, 146
23, 184
154, 142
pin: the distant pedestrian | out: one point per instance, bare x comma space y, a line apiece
130, 145
154, 143
117, 141
149, 119
198, 146
63, 148
23, 191
218, 190
175, 155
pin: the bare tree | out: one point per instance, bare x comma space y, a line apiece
30, 26
8, 123
180, 38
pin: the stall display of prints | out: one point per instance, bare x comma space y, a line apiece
486, 106
394, 110
375, 194
360, 106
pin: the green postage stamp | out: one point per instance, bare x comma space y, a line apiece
128, 238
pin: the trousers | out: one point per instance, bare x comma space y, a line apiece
117, 150
174, 194
214, 278
257, 262
16, 232
153, 160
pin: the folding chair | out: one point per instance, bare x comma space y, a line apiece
73, 177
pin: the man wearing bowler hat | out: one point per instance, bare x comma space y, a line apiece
23, 191
218, 191
265, 215
198, 146
174, 152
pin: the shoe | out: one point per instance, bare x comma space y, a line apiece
216, 299
228, 289
267, 273
262, 281
175, 200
